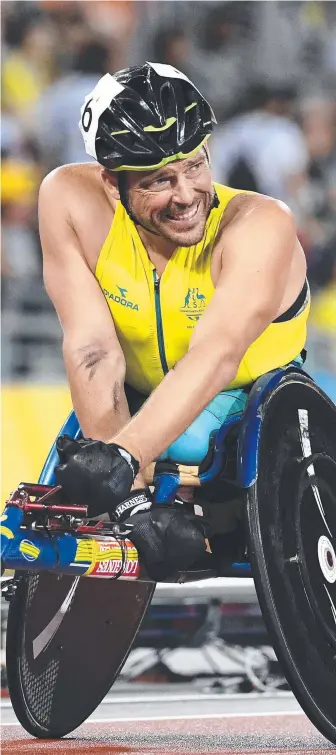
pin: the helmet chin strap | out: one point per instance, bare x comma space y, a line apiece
124, 201
122, 181
215, 201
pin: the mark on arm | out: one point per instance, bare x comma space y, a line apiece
90, 357
116, 395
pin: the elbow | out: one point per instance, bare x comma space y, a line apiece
227, 354
221, 361
226, 370
222, 373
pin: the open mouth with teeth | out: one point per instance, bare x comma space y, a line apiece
183, 217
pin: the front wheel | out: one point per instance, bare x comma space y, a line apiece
67, 640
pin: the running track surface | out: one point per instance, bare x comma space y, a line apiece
283, 733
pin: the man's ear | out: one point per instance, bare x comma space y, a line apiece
110, 182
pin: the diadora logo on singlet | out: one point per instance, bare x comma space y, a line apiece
121, 299
194, 304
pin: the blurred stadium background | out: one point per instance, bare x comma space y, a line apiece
269, 71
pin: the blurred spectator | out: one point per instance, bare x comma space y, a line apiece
263, 149
58, 110
20, 179
222, 54
21, 174
318, 121
28, 65
112, 17
174, 46
317, 42
72, 30
114, 21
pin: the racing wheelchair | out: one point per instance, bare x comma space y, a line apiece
68, 636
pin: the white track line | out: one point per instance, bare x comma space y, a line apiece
183, 718
112, 700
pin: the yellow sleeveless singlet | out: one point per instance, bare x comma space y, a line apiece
154, 318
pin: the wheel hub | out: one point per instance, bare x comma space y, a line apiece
327, 559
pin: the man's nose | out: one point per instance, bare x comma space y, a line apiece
183, 193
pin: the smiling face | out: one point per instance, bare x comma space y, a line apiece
174, 201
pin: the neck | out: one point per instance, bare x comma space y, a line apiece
155, 245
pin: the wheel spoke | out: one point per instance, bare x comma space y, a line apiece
333, 609
307, 451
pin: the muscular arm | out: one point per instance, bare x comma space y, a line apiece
258, 247
93, 358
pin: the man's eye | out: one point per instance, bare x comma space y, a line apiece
160, 181
196, 167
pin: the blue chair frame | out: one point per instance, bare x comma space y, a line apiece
250, 421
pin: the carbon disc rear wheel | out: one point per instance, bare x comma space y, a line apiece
291, 516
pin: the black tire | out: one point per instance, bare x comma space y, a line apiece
285, 524
55, 691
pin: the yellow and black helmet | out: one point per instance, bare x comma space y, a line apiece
144, 117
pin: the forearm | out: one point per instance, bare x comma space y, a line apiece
177, 401
96, 379
96, 382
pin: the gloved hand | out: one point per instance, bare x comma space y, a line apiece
168, 538
139, 500
94, 474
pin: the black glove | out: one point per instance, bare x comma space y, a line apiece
168, 539
94, 474
139, 500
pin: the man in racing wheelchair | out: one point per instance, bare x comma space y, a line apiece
174, 294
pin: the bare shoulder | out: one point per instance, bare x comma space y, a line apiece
236, 218
71, 182
73, 196
73, 172
242, 203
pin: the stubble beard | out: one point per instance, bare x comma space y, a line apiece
188, 237
183, 238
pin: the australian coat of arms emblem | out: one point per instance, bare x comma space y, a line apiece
194, 304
